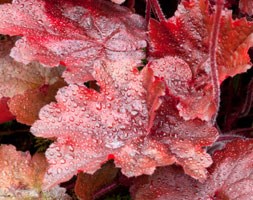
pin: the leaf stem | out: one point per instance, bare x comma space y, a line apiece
157, 9
148, 11
105, 190
212, 52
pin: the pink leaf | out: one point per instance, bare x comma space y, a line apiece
21, 176
91, 127
185, 140
230, 178
186, 37
29, 87
77, 34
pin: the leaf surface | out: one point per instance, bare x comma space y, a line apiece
6, 115
87, 185
185, 140
21, 176
77, 34
29, 87
186, 37
230, 178
26, 106
246, 6
91, 126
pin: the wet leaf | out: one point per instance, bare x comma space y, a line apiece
246, 6
76, 34
29, 87
21, 176
92, 127
230, 177
186, 37
185, 140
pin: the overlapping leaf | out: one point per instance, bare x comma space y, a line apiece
6, 115
75, 34
246, 6
185, 140
90, 126
21, 176
88, 185
230, 178
186, 36
29, 87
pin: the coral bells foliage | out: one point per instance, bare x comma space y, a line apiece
230, 178
142, 119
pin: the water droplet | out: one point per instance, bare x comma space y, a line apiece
59, 170
71, 148
98, 106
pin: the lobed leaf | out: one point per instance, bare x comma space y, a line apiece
92, 126
29, 87
185, 140
76, 34
230, 178
21, 176
186, 37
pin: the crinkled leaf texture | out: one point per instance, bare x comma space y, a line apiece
5, 115
184, 140
88, 185
29, 87
91, 126
231, 177
77, 34
246, 6
186, 38
21, 176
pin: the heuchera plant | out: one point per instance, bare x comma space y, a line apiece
104, 83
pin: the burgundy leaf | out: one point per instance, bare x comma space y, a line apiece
87, 186
5, 115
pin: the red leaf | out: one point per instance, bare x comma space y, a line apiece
78, 34
186, 37
246, 6
5, 115
230, 178
89, 126
184, 139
